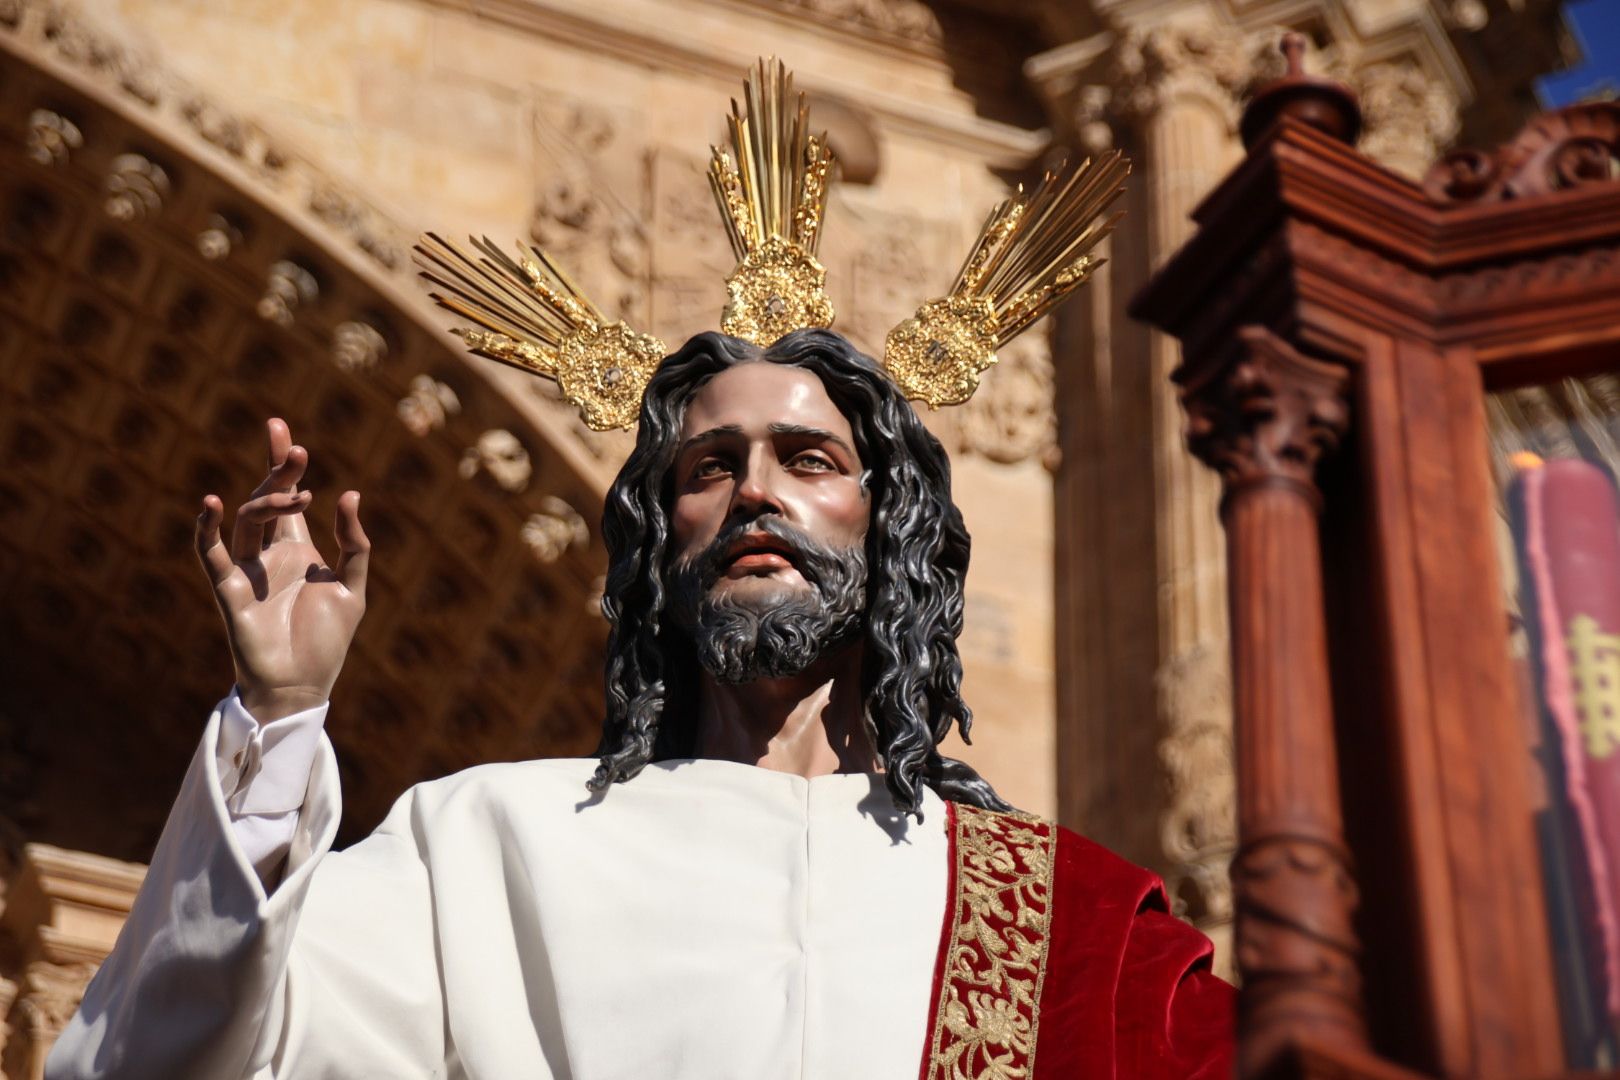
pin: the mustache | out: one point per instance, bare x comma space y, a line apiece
809, 556
739, 642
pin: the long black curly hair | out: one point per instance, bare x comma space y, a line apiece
917, 556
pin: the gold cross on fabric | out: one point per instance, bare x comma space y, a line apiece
1595, 672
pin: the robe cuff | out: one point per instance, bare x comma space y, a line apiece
265, 768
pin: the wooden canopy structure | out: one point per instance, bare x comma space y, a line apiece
1345, 333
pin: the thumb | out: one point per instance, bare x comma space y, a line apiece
353, 545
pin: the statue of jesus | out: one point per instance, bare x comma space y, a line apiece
769, 869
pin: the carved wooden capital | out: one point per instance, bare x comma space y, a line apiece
1268, 417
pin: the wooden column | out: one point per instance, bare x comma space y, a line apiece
1262, 420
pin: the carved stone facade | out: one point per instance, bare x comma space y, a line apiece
58, 920
172, 276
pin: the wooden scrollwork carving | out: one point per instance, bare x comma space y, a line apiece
1556, 151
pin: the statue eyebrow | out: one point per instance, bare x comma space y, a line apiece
725, 431
714, 434
813, 433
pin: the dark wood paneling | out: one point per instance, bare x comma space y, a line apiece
1426, 299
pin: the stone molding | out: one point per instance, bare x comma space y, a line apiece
907, 22
50, 29
72, 46
76, 901
1407, 117
1009, 425
1114, 80
61, 918
665, 48
1119, 79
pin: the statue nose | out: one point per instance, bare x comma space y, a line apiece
756, 491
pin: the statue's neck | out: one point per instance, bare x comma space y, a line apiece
808, 725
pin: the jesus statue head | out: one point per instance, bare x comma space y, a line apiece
785, 521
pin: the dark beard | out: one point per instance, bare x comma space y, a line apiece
738, 643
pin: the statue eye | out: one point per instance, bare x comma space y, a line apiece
812, 460
709, 468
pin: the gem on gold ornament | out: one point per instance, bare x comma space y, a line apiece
612, 376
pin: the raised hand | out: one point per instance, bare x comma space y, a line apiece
289, 616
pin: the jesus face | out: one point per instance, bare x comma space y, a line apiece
768, 523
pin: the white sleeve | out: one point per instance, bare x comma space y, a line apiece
264, 776
214, 977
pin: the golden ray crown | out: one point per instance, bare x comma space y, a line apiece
773, 197
534, 318
771, 185
1033, 251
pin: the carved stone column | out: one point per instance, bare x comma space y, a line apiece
1178, 87
1262, 422
1190, 136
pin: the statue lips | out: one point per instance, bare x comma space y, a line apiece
759, 552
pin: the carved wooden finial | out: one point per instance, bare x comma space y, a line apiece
1293, 49
1324, 104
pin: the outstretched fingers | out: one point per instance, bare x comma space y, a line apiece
279, 436
248, 531
284, 479
210, 549
287, 463
354, 547
286, 475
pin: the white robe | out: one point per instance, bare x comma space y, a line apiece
704, 920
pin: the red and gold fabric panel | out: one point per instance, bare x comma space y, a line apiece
1571, 549
993, 949
1058, 959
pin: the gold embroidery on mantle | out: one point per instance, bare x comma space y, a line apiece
988, 1014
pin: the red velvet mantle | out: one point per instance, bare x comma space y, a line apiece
1058, 959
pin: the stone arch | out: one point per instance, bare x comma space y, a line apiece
169, 276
